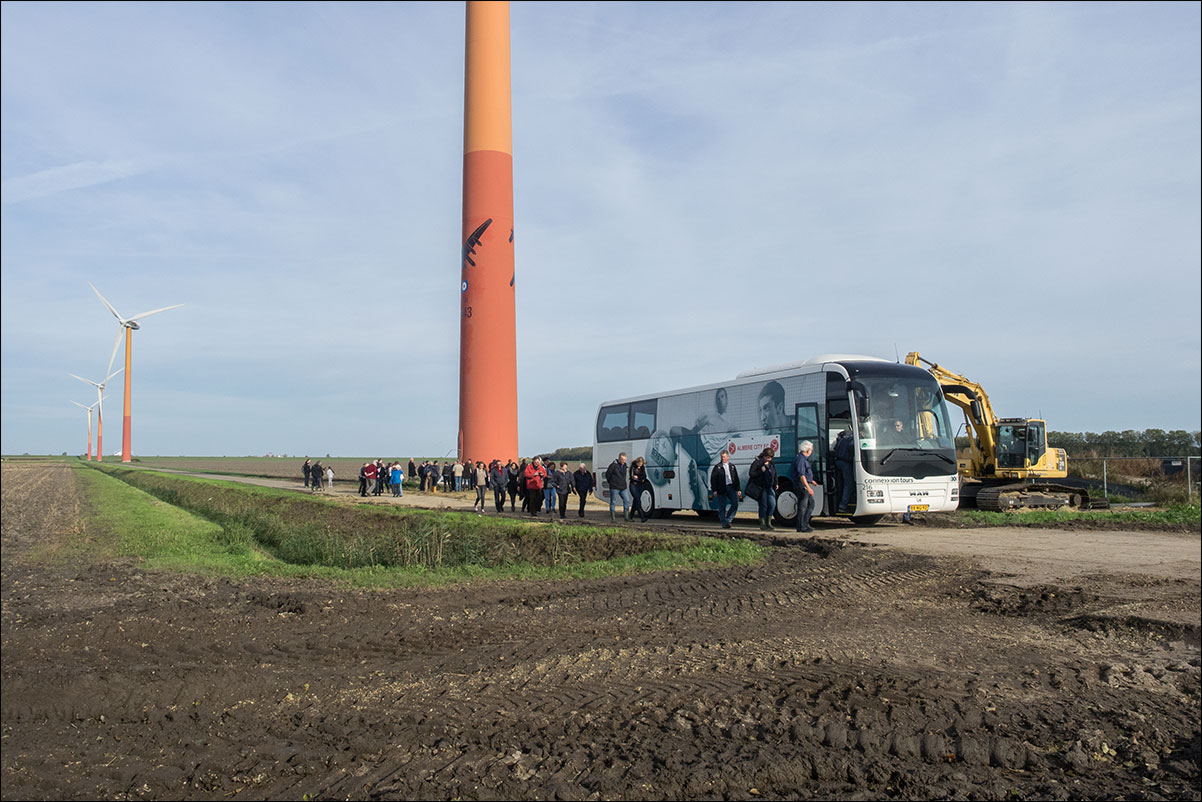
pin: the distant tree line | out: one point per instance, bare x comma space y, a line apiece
578, 454
1129, 443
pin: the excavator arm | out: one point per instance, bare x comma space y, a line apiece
972, 399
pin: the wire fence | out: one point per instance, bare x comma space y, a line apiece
1139, 477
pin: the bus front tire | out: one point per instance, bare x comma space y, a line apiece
866, 520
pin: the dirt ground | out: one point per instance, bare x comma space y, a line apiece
894, 662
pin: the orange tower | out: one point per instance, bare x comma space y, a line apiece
488, 384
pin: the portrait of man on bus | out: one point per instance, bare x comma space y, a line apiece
771, 406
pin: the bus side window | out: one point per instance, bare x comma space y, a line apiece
613, 424
643, 424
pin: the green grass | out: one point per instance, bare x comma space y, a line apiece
1175, 515
243, 531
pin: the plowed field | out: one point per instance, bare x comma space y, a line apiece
827, 671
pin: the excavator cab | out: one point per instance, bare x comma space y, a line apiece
1021, 443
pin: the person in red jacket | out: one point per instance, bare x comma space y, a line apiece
536, 474
369, 472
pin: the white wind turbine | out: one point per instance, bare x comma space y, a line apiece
89, 411
99, 410
127, 328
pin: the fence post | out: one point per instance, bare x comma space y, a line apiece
1105, 492
1189, 481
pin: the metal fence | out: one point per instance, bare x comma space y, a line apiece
1159, 469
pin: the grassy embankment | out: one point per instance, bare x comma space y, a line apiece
1176, 515
185, 523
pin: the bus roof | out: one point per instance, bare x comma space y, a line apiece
812, 365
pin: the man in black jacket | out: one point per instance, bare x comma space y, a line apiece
724, 484
616, 476
582, 480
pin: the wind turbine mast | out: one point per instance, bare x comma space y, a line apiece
127, 325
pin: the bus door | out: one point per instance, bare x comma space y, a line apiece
838, 419
809, 428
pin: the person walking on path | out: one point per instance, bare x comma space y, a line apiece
724, 485
803, 473
512, 477
763, 473
549, 487
330, 478
639, 483
315, 473
480, 480
615, 476
397, 476
536, 476
306, 470
582, 482
363, 480
563, 488
498, 480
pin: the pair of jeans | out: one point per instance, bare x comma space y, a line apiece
805, 510
583, 498
622, 494
458, 484
847, 476
549, 499
767, 503
499, 498
728, 504
638, 503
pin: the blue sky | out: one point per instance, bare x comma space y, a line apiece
1012, 190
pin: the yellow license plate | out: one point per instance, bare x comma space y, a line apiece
919, 507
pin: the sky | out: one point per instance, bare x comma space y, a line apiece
1013, 190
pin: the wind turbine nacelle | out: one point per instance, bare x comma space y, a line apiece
133, 324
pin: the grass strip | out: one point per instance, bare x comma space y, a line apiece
1175, 515
257, 531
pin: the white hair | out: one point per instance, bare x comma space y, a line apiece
805, 446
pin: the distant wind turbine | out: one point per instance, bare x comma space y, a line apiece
127, 328
89, 410
99, 409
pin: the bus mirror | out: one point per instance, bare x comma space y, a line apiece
978, 413
862, 407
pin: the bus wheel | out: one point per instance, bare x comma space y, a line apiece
786, 505
647, 502
866, 520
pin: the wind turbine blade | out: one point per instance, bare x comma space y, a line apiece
82, 406
116, 345
82, 379
114, 373
155, 312
116, 314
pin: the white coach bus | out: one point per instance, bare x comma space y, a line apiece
905, 456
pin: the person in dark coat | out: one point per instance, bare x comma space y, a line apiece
306, 470
582, 483
638, 483
725, 487
512, 476
763, 473
563, 487
363, 480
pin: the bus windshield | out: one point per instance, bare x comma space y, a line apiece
906, 429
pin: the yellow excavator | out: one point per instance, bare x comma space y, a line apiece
1009, 465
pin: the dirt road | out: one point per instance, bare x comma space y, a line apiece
835, 669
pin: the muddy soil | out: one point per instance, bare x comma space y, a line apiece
832, 670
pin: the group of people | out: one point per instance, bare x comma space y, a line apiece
378, 478
316, 474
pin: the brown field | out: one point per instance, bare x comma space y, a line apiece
835, 669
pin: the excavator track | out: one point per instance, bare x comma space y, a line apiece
1036, 495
